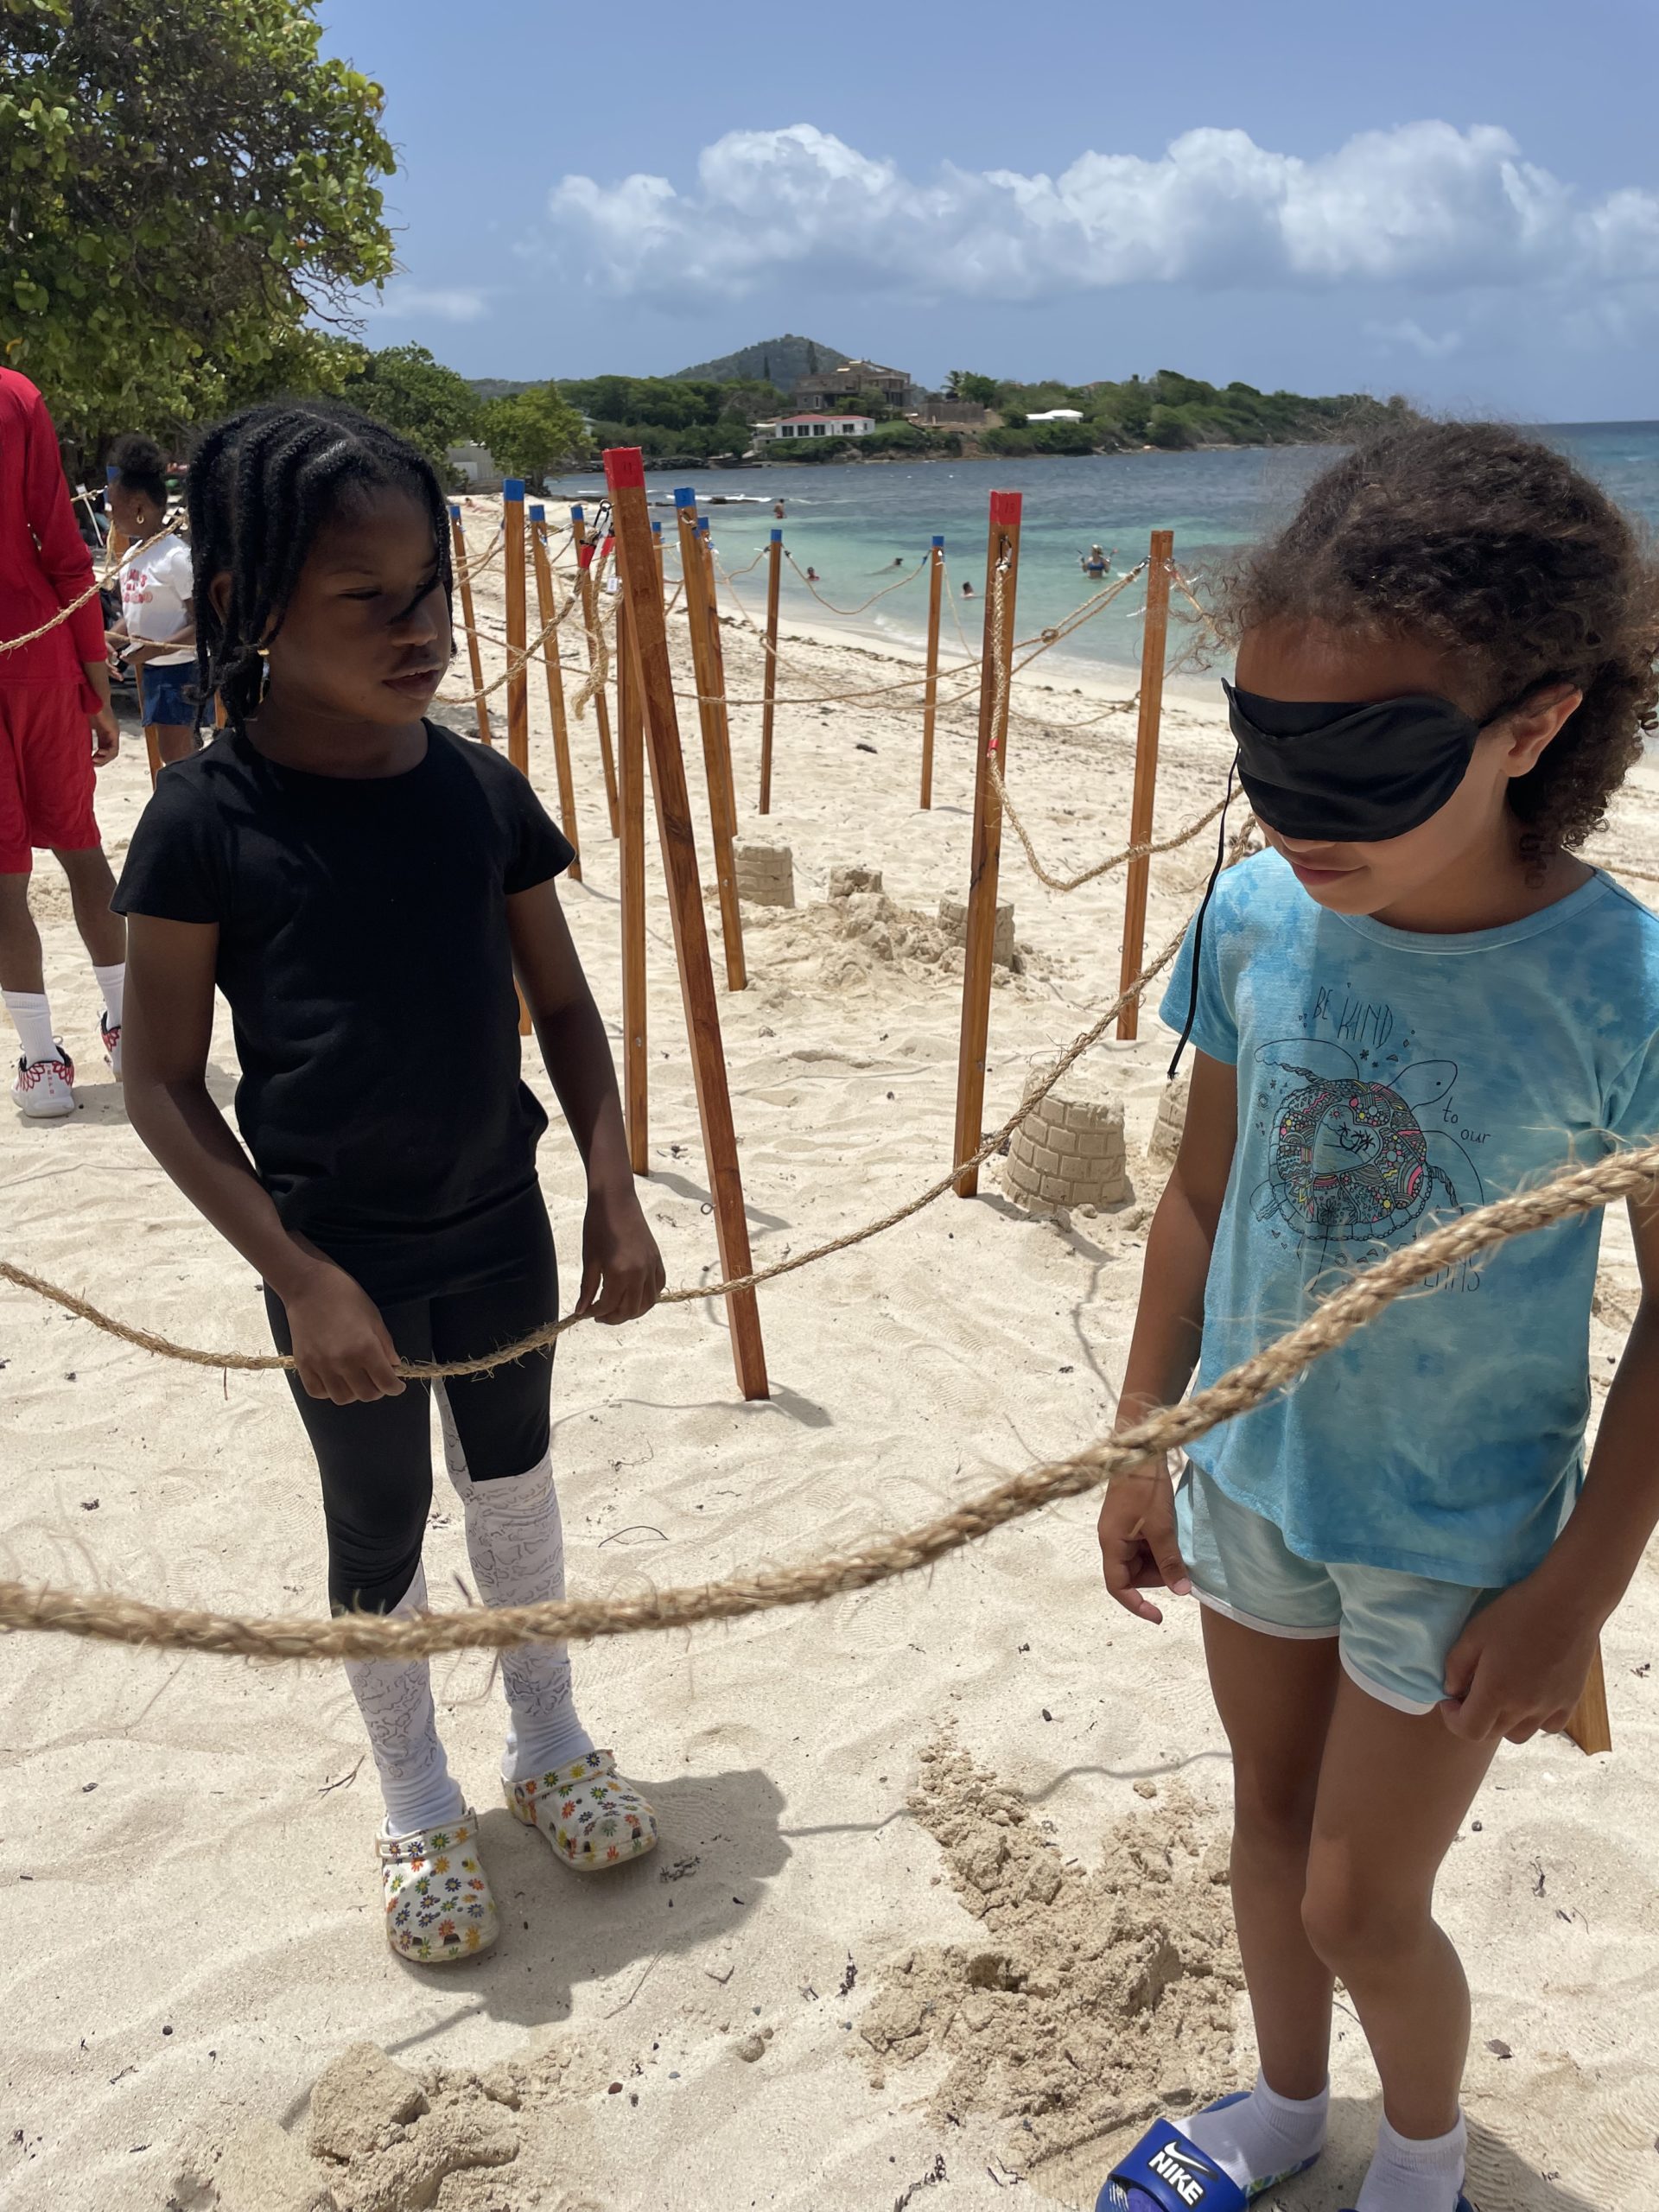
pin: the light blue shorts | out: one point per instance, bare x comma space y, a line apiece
1392, 1630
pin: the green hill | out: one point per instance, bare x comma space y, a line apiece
774, 360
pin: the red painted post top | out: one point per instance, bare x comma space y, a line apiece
1004, 507
625, 468
585, 554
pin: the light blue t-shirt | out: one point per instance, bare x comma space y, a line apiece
1388, 1082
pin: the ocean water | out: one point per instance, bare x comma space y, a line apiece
852, 520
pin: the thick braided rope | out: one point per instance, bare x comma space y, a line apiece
1064, 884
98, 584
534, 649
598, 649
879, 1558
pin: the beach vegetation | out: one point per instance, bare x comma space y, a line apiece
534, 432
194, 201
403, 387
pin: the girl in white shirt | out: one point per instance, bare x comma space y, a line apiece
157, 635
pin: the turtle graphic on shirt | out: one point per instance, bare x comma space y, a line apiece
1349, 1159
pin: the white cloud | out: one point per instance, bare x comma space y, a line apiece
419, 302
1424, 205
1411, 333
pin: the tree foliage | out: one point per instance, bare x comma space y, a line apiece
405, 388
182, 186
533, 433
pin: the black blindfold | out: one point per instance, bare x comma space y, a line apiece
1345, 774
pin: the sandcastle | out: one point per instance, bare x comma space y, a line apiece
766, 873
1069, 1151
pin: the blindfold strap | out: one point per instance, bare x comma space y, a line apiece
1198, 926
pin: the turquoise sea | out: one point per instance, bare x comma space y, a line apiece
851, 520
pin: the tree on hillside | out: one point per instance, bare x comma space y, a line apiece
533, 433
981, 391
403, 387
181, 187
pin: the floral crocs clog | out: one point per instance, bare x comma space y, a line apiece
591, 1817
438, 1901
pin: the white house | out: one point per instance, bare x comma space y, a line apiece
816, 426
1058, 415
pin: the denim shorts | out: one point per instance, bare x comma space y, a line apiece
1392, 1630
168, 694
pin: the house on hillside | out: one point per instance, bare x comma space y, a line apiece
956, 415
475, 465
1058, 415
830, 387
816, 426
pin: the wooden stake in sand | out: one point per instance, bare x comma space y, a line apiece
468, 615
1153, 639
554, 670
1001, 577
930, 686
695, 564
648, 645
630, 795
1587, 1724
512, 568
589, 611
769, 679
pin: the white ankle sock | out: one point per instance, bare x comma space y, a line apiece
112, 981
516, 1543
1264, 2135
395, 1698
33, 1017
1414, 2176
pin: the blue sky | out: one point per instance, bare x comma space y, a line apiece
1460, 200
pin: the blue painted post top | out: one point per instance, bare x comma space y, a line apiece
513, 487
454, 513
537, 513
576, 514
656, 530
702, 526
939, 546
111, 472
685, 497
776, 537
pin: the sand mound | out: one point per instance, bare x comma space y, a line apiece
864, 943
1098, 1998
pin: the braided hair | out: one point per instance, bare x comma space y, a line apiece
140, 465
262, 485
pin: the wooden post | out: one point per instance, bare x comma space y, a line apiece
1154, 637
589, 616
1588, 1724
769, 678
512, 564
468, 615
550, 650
726, 824
694, 570
657, 540
930, 688
625, 474
1002, 553
630, 795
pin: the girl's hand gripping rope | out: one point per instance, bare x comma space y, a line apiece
622, 1273
341, 1349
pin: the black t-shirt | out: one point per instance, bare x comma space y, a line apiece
364, 950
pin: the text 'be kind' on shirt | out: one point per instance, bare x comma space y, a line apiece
1388, 1082
364, 951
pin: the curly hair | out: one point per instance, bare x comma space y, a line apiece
139, 465
1471, 537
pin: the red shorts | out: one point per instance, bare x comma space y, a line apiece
47, 779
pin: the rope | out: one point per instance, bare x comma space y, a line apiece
909, 578
599, 651
244, 1362
1104, 867
1196, 604
98, 584
516, 660
878, 1558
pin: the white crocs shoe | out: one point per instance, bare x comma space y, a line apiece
45, 1089
438, 1902
592, 1818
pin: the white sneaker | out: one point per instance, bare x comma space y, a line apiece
45, 1089
111, 1044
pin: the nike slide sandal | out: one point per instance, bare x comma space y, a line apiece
1167, 2172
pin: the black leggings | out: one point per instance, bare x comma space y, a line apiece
376, 1460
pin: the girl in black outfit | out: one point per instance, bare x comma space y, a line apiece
331, 856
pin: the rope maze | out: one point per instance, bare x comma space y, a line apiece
620, 591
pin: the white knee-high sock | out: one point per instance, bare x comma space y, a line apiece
395, 1698
33, 1015
112, 981
516, 1543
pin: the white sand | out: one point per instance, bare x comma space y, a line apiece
193, 1934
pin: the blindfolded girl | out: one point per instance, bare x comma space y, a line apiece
1419, 998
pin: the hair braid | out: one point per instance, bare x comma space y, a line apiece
262, 485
